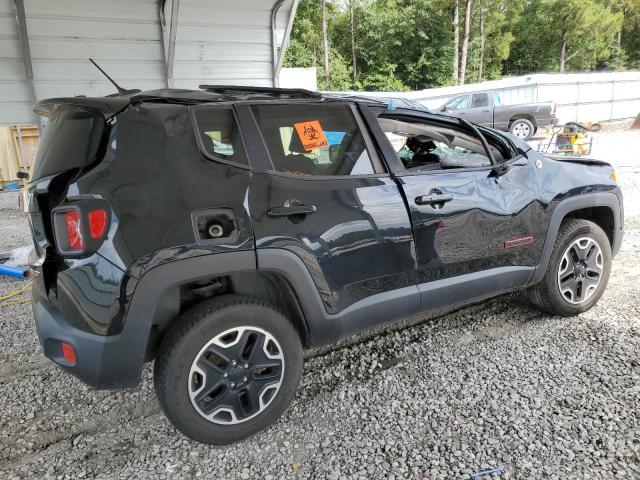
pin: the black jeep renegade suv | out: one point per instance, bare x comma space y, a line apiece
222, 231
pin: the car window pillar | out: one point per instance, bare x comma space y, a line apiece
389, 156
257, 153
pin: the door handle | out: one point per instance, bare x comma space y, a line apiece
433, 199
289, 210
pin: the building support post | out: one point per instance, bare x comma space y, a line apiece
274, 41
23, 37
163, 37
169, 44
285, 43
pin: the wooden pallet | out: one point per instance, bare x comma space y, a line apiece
25, 141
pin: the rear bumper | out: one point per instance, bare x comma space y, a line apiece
116, 360
107, 362
546, 121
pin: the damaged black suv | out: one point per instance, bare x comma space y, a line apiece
220, 232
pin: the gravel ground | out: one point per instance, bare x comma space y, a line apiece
497, 384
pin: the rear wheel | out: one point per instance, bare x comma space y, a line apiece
228, 369
522, 128
578, 270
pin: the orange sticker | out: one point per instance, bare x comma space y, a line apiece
311, 135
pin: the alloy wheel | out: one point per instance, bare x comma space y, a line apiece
236, 375
521, 130
580, 270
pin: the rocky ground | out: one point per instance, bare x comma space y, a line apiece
493, 385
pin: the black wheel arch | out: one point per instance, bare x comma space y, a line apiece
218, 274
602, 208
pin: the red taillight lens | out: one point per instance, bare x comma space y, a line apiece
81, 227
74, 234
553, 108
68, 352
97, 223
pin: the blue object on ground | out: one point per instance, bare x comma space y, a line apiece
13, 186
20, 273
486, 472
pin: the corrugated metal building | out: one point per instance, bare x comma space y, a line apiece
45, 46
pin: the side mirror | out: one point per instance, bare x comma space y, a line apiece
521, 162
443, 108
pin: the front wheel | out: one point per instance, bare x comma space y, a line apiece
522, 128
578, 270
228, 369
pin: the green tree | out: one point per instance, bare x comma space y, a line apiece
409, 44
305, 46
560, 35
628, 39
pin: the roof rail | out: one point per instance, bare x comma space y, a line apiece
246, 90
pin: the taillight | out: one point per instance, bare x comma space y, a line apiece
74, 234
97, 222
80, 227
553, 108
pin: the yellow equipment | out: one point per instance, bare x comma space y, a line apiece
571, 139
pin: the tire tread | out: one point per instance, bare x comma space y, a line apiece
175, 336
539, 295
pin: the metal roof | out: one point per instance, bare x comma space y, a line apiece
147, 44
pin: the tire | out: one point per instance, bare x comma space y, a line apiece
557, 292
189, 374
522, 128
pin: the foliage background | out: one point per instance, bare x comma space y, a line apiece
409, 44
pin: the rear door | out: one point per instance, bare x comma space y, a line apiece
321, 192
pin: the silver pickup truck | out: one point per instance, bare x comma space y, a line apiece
485, 108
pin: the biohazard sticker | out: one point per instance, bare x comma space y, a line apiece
311, 135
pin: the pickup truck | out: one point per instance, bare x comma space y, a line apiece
486, 109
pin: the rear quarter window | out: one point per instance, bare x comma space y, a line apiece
219, 135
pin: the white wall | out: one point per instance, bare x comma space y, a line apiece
15, 99
299, 78
220, 42
217, 42
582, 96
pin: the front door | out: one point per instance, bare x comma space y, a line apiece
480, 110
326, 197
460, 223
474, 228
